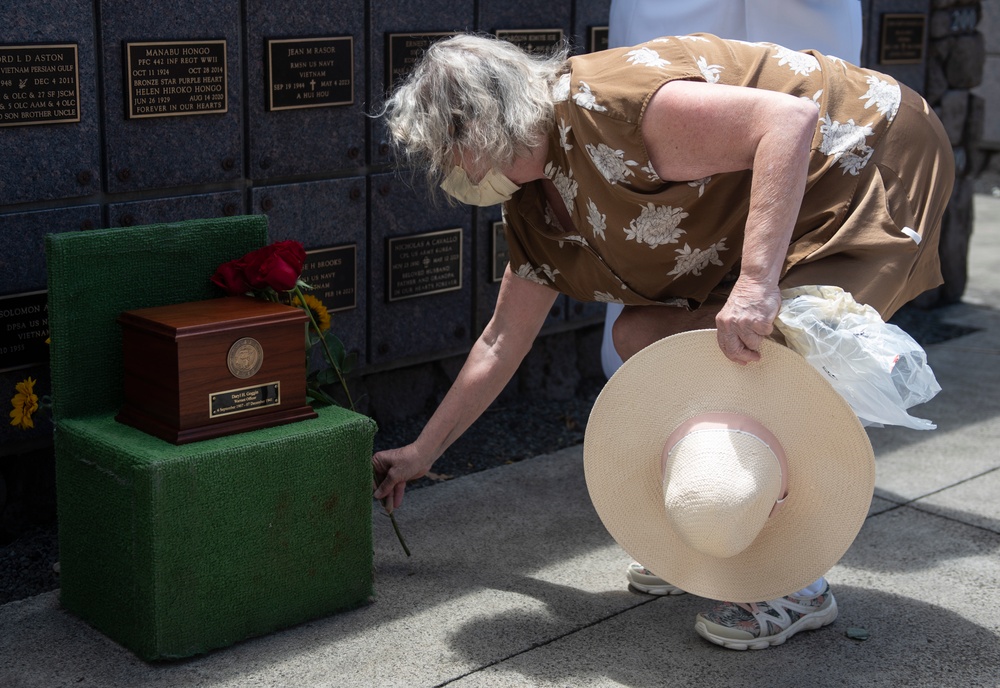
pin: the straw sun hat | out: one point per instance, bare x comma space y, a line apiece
736, 483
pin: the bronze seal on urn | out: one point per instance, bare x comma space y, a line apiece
245, 357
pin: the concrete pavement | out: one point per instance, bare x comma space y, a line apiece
515, 582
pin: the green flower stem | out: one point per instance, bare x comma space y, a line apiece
326, 348
392, 517
399, 534
343, 383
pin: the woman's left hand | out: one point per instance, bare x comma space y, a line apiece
746, 319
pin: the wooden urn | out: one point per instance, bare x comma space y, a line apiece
197, 370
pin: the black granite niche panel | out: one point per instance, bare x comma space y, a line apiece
176, 209
163, 152
305, 140
22, 235
405, 17
328, 219
49, 161
589, 14
431, 324
23, 282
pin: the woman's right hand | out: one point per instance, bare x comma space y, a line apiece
522, 307
393, 468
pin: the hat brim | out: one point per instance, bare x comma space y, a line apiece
831, 466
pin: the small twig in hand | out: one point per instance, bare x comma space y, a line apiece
399, 535
386, 504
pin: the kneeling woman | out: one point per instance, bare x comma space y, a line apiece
689, 178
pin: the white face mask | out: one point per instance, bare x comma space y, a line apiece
492, 189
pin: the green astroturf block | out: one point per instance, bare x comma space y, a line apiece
176, 550
96, 275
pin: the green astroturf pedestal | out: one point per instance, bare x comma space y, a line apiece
173, 551
176, 550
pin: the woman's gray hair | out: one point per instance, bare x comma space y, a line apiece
481, 94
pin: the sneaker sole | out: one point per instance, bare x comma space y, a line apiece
659, 590
807, 623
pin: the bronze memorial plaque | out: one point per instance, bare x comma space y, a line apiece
424, 264
902, 40
598, 39
501, 254
25, 328
39, 84
310, 72
245, 399
333, 275
405, 50
536, 41
169, 79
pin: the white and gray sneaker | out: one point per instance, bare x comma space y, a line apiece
644, 580
760, 625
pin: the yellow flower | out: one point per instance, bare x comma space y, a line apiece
319, 311
25, 403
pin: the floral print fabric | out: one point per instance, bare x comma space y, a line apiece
639, 240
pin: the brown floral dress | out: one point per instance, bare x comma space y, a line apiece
880, 174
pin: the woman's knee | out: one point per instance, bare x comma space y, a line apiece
639, 326
636, 328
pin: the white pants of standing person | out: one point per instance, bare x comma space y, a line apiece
830, 26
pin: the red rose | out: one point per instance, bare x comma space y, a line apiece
231, 279
277, 266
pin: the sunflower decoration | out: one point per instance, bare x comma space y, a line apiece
319, 336
25, 403
319, 312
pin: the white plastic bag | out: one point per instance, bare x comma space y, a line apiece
878, 368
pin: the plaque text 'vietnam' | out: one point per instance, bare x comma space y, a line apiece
24, 329
310, 72
168, 79
39, 84
333, 275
